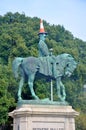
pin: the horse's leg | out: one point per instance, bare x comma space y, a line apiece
30, 83
20, 88
58, 88
63, 91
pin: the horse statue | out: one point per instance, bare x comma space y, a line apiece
30, 66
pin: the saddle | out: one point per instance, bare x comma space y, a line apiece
47, 65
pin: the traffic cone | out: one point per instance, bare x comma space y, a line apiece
42, 30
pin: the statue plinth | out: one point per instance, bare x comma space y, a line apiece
43, 117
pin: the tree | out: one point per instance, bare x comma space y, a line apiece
6, 99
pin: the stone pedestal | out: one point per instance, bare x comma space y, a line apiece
43, 117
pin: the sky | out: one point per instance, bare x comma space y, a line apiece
68, 13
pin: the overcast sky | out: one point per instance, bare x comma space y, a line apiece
69, 13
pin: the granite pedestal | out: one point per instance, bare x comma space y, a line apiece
43, 117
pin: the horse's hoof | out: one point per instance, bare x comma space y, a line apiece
62, 99
19, 99
37, 98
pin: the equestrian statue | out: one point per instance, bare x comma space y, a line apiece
51, 66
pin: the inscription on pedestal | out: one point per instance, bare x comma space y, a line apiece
48, 126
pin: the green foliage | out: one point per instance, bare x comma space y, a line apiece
6, 100
19, 37
81, 122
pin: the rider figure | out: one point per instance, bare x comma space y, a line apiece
44, 51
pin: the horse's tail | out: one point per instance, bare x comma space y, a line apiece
15, 65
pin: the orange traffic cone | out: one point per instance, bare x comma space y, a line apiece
42, 30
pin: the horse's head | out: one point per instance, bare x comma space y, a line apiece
15, 65
70, 65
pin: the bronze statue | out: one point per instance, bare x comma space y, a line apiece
65, 65
48, 65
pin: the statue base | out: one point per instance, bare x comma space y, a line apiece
45, 101
43, 117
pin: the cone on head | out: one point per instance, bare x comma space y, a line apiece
42, 30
